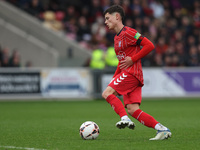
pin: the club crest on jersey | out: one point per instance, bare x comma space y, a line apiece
120, 43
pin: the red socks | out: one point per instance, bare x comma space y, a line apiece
116, 104
141, 116
145, 118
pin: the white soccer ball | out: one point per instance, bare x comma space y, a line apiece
89, 130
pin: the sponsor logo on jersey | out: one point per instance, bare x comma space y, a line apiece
121, 55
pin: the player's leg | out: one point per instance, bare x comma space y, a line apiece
110, 95
132, 102
149, 121
141, 116
116, 87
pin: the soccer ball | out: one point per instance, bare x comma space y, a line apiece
89, 130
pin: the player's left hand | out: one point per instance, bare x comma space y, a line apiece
127, 62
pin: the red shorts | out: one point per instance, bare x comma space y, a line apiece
129, 86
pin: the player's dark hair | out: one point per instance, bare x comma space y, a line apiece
115, 8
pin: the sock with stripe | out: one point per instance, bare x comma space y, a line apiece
145, 118
116, 104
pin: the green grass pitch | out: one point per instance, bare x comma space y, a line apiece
54, 125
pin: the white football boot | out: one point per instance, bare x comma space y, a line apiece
125, 123
161, 135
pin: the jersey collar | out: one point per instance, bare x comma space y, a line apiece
120, 31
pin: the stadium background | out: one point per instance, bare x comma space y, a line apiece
46, 80
51, 45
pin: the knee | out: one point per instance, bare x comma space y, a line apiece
105, 94
131, 108
108, 91
130, 111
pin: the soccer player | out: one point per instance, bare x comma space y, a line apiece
128, 77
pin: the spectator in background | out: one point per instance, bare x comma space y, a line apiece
0, 53
153, 30
111, 58
186, 25
70, 13
98, 28
193, 56
126, 6
175, 60
14, 60
7, 60
110, 37
161, 46
158, 60
95, 10
167, 61
51, 22
196, 14
97, 59
71, 29
157, 7
145, 25
138, 24
4, 54
34, 8
116, 2
5, 57
171, 25
83, 32
136, 9
180, 51
177, 21
85, 12
178, 36
128, 22
147, 11
105, 4
99, 31
177, 15
198, 49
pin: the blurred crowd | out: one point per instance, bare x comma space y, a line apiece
11, 58
7, 59
172, 25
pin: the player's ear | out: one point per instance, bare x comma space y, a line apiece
118, 17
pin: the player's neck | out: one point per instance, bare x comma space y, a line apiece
118, 28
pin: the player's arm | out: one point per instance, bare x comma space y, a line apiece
147, 48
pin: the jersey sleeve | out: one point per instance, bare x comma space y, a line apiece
146, 49
133, 37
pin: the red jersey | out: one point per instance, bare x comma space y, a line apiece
125, 44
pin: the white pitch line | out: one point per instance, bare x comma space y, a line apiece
26, 148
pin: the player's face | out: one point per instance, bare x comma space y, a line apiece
110, 20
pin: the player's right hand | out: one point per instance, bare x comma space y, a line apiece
127, 62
